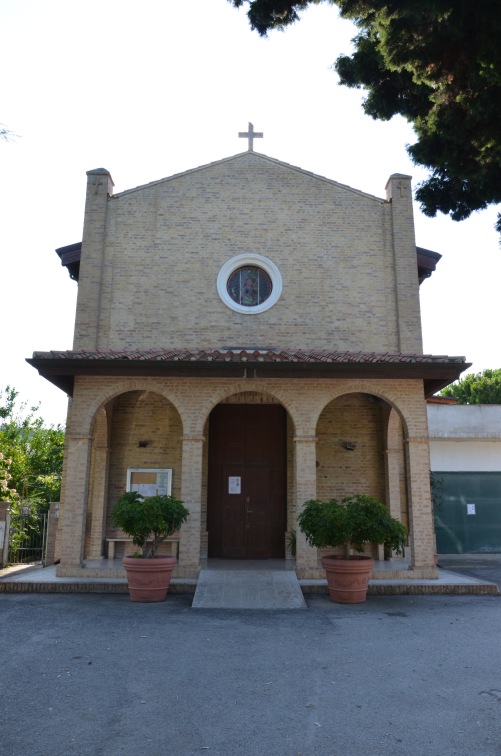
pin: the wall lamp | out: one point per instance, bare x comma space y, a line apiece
143, 444
350, 445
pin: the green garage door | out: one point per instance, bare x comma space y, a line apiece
469, 520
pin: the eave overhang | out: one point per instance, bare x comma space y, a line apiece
70, 258
61, 368
426, 262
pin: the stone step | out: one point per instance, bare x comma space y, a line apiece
248, 589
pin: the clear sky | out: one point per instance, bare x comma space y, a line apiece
154, 88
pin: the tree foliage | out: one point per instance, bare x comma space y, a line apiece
7, 491
353, 521
148, 520
476, 388
438, 64
35, 451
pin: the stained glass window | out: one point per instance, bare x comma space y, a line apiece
249, 286
249, 283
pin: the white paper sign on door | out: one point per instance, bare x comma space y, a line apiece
234, 484
470, 509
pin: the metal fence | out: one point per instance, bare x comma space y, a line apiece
27, 538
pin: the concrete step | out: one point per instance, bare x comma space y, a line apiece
248, 589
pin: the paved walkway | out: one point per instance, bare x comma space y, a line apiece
277, 583
480, 566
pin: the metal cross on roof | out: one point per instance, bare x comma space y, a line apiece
250, 135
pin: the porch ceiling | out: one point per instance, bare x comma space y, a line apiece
60, 368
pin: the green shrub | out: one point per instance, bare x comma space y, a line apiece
148, 520
354, 521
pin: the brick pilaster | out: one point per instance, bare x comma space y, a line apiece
99, 188
399, 194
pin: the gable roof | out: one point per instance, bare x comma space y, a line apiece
258, 156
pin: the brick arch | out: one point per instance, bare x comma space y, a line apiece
224, 392
372, 388
98, 402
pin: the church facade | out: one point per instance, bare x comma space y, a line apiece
247, 337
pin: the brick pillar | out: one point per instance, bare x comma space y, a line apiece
98, 496
191, 495
306, 488
74, 506
52, 525
4, 531
422, 536
393, 466
393, 459
393, 497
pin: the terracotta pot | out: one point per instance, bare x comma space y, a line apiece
348, 579
149, 579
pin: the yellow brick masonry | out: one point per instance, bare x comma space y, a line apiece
151, 256
399, 195
310, 404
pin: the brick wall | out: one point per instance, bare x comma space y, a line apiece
354, 418
151, 257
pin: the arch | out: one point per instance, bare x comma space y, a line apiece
119, 425
351, 443
372, 388
93, 401
241, 387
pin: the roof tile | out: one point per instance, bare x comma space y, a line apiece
244, 355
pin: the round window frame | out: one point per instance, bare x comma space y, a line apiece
257, 261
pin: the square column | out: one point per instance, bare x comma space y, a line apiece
191, 495
74, 510
99, 501
422, 536
306, 488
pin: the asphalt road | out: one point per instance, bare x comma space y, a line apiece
97, 675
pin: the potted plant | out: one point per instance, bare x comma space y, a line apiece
148, 521
350, 523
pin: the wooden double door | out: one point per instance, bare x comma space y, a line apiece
247, 486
